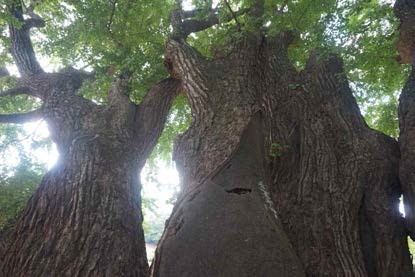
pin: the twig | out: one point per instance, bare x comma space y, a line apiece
114, 3
233, 15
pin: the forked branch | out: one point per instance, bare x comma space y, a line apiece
22, 49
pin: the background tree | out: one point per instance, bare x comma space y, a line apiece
280, 172
85, 217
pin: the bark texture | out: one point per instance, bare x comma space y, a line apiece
227, 225
329, 183
407, 145
405, 11
85, 217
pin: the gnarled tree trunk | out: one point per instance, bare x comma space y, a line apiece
281, 175
85, 217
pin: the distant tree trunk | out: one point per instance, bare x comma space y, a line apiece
281, 175
85, 217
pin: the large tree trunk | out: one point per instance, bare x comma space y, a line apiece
336, 186
85, 217
275, 161
407, 145
405, 11
227, 225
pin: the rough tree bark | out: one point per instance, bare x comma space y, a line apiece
281, 175
405, 11
85, 217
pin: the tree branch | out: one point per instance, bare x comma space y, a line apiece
22, 117
152, 113
15, 91
196, 25
22, 49
193, 13
35, 20
113, 5
233, 14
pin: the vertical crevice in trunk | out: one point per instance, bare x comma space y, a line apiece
368, 241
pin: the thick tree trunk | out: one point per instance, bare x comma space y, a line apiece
227, 225
405, 11
336, 185
407, 145
85, 217
329, 183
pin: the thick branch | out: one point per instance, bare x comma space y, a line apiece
197, 25
193, 13
185, 28
22, 49
152, 113
34, 22
22, 117
15, 91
